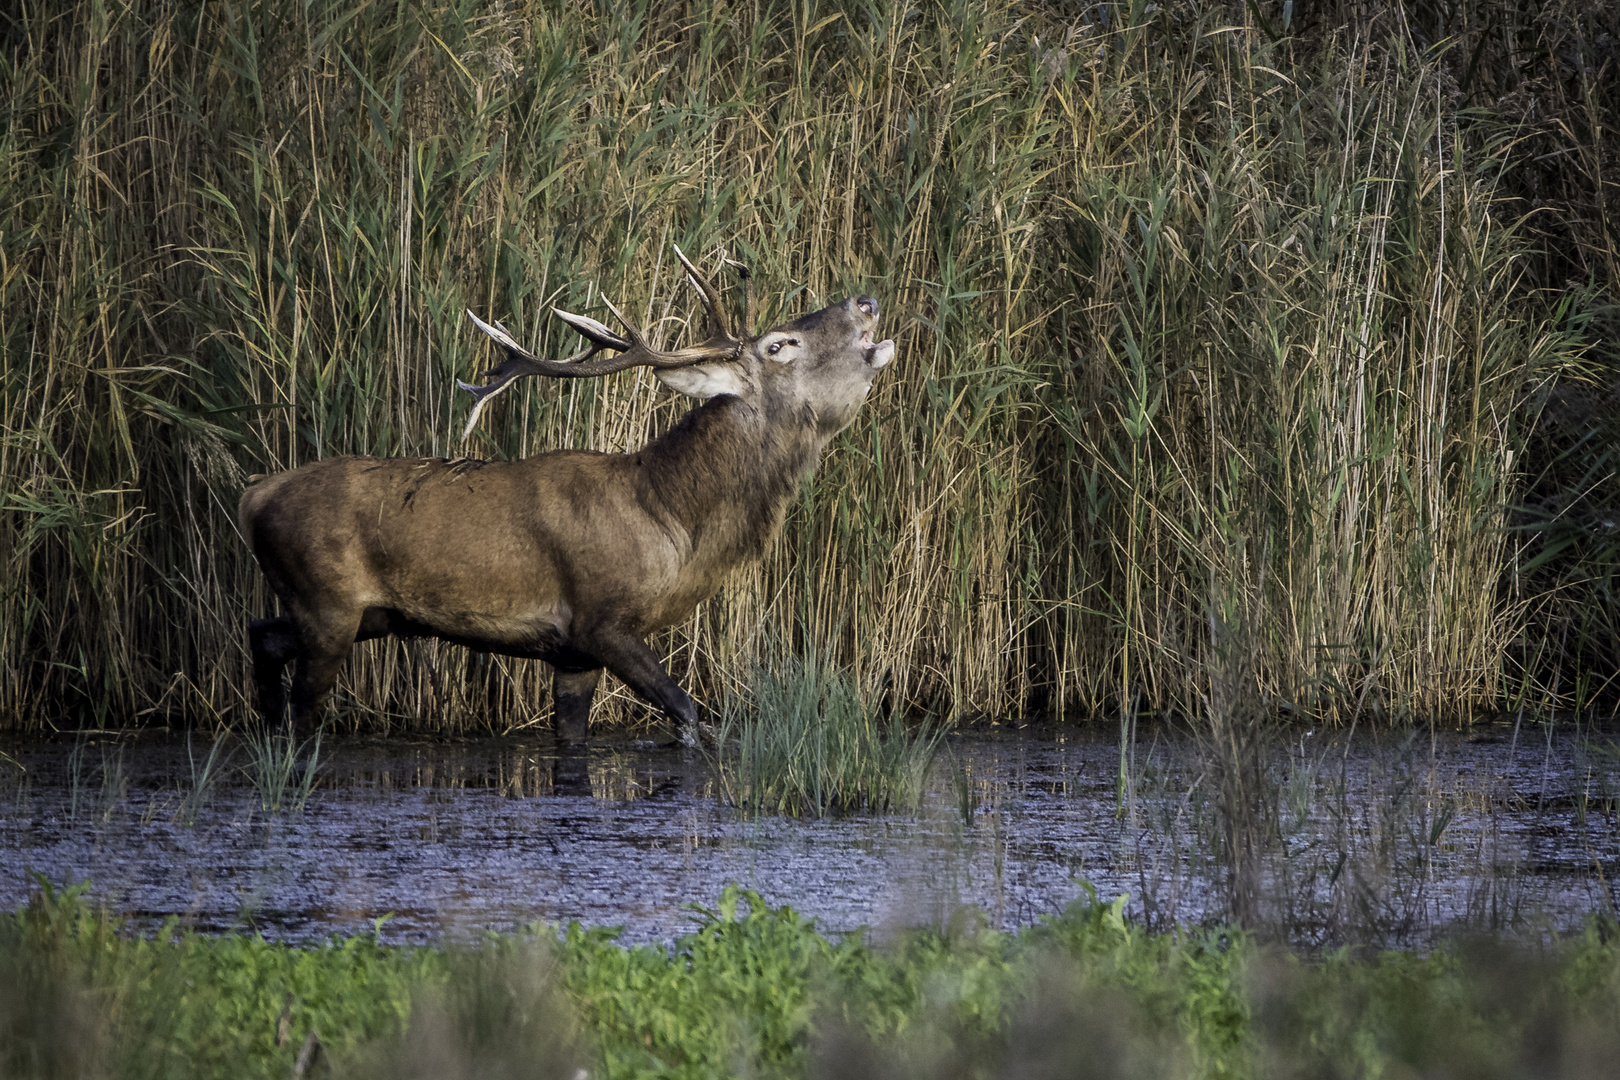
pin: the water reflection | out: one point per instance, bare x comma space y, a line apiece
1374, 840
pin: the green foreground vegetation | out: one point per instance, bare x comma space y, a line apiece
758, 992
1277, 324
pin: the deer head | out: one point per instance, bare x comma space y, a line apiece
823, 362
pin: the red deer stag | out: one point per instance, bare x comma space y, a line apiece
571, 557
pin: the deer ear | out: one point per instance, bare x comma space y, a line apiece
704, 381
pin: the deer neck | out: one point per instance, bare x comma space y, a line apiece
725, 474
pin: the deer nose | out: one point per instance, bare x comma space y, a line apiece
867, 305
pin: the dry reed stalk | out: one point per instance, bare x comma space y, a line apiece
1171, 299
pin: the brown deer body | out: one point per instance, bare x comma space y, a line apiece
569, 557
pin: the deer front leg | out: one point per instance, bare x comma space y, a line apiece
628, 657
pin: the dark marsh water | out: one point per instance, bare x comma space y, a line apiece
1381, 841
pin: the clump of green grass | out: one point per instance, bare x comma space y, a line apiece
805, 743
75, 777
203, 778
282, 770
114, 783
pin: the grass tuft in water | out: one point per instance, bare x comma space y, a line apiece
282, 771
807, 745
75, 775
114, 783
963, 787
202, 778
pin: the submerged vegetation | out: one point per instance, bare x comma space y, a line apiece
758, 992
1199, 308
806, 744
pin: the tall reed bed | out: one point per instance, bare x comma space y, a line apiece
1192, 321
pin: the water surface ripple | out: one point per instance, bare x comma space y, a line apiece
453, 837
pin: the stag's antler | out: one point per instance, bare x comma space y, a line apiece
721, 344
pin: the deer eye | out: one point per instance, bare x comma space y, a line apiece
776, 347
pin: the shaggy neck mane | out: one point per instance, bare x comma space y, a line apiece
725, 473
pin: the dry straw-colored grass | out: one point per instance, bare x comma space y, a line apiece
1187, 316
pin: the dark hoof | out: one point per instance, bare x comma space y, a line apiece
696, 735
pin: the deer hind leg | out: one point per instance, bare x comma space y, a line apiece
571, 694
323, 645
274, 644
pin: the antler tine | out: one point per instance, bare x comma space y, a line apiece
632, 348
749, 311
594, 331
519, 362
481, 396
630, 328
719, 323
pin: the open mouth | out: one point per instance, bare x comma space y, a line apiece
878, 353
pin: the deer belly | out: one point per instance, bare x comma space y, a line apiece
536, 634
